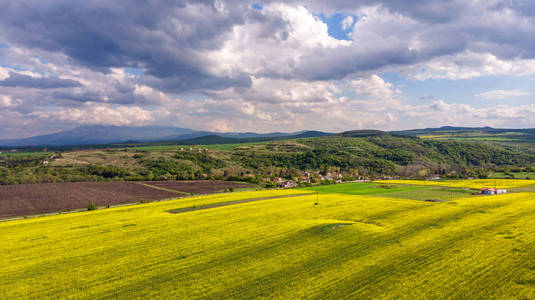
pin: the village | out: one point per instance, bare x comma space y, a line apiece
308, 178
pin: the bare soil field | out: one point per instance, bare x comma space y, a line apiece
199, 187
28, 199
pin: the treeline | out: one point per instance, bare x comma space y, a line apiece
374, 156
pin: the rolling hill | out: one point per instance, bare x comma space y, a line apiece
98, 134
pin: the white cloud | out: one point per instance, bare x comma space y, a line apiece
467, 65
503, 94
99, 113
347, 22
4, 73
7, 101
373, 86
272, 48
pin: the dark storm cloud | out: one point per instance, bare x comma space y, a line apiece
162, 37
20, 80
181, 83
88, 96
437, 11
167, 38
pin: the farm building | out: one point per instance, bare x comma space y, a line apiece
492, 191
304, 179
287, 184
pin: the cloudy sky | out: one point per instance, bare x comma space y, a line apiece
266, 66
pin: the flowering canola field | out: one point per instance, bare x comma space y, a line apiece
472, 184
327, 246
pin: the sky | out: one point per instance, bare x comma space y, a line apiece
266, 65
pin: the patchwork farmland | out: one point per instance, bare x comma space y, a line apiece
345, 241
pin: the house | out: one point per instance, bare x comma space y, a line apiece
337, 175
45, 163
278, 180
435, 177
304, 179
492, 191
287, 184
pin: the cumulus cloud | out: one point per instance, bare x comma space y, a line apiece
97, 113
373, 86
196, 45
223, 65
503, 94
468, 65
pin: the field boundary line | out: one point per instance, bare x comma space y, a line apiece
221, 204
162, 188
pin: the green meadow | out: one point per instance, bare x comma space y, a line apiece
413, 192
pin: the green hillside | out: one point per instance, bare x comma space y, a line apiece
371, 155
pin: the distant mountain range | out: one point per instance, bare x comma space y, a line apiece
445, 129
100, 134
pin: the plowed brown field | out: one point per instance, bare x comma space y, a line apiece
199, 187
27, 199
30, 199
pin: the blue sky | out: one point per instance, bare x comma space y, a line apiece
226, 65
335, 22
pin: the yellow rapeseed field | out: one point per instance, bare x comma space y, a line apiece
326, 246
472, 184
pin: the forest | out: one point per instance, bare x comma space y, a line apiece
366, 157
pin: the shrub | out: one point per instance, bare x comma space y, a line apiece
91, 206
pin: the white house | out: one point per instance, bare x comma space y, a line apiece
492, 191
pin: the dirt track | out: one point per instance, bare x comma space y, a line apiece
199, 187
